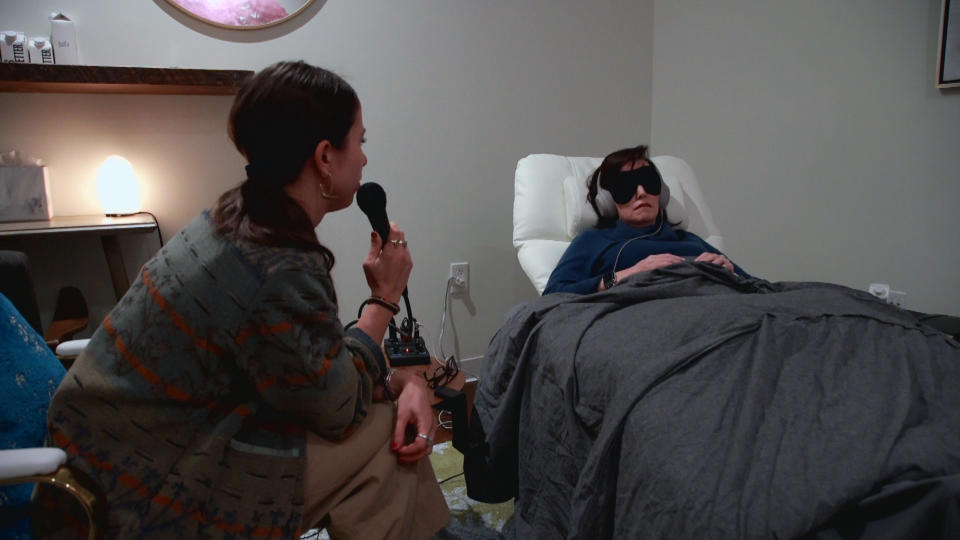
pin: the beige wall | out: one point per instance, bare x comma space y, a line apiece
454, 93
823, 147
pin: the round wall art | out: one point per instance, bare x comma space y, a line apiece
242, 14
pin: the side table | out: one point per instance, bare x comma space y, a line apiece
107, 228
443, 400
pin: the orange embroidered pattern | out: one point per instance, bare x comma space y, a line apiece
178, 321
162, 501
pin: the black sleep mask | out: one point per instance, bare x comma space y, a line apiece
623, 184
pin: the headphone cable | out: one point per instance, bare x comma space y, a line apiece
641, 237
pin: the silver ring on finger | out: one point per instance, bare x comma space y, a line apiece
399, 243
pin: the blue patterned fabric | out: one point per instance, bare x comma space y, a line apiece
29, 376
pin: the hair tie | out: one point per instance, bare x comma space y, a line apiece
251, 171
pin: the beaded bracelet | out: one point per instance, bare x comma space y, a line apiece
380, 301
386, 385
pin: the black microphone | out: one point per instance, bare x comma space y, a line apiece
373, 202
409, 348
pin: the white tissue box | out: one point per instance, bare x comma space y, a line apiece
24, 194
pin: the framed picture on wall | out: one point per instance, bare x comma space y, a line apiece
948, 58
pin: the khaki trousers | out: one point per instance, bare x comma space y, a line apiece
355, 488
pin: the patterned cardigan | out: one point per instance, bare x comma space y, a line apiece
189, 405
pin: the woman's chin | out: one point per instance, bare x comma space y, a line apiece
643, 220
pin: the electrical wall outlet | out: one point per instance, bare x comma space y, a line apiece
460, 273
880, 290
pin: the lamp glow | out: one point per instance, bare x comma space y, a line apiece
117, 187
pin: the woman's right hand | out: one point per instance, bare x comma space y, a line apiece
414, 415
388, 270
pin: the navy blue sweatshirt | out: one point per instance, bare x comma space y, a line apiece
592, 253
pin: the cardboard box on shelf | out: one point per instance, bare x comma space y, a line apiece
13, 47
40, 49
63, 35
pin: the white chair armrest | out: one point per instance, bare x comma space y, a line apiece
538, 258
29, 462
72, 348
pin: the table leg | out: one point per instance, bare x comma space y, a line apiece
118, 271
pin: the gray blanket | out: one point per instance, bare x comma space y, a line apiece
689, 403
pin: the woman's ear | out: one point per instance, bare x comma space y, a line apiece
322, 157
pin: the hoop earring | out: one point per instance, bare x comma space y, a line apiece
329, 195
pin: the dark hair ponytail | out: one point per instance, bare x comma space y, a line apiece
277, 120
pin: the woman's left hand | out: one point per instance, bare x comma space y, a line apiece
718, 259
413, 410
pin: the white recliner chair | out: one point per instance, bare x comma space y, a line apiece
48, 466
550, 207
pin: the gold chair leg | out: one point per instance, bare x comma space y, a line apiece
82, 488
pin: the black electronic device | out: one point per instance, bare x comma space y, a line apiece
406, 347
406, 353
455, 402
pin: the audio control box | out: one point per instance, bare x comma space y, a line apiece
406, 353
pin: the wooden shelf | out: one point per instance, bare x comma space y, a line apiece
119, 80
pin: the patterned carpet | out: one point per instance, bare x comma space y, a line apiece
469, 519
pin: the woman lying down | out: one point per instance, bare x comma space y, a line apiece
640, 239
678, 397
